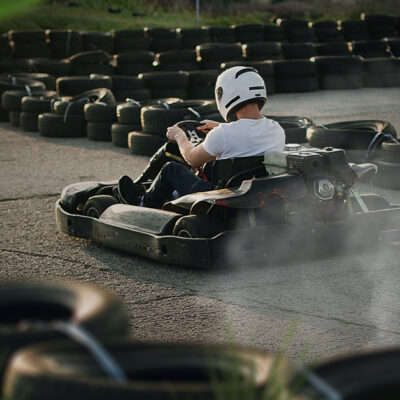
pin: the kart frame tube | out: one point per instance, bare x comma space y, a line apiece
245, 246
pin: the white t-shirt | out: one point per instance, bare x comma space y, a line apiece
244, 138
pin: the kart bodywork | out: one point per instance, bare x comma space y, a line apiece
306, 203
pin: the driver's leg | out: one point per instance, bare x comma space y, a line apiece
173, 176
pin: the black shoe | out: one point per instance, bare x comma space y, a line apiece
129, 192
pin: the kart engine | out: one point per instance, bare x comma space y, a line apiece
326, 173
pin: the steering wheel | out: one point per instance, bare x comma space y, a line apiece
194, 135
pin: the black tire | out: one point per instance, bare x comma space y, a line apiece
370, 48
100, 312
204, 78
9, 83
52, 67
29, 50
96, 205
163, 93
53, 125
133, 57
262, 51
340, 81
156, 119
294, 69
248, 33
46, 79
274, 33
352, 135
131, 44
327, 31
197, 226
74, 85
373, 202
137, 95
155, 371
90, 57
4, 117
11, 100
98, 41
88, 69
14, 118
298, 84
191, 37
222, 34
14, 65
298, 51
219, 51
129, 113
338, 65
29, 121
38, 105
100, 112
99, 131
354, 30
144, 144
165, 80
381, 79
332, 49
120, 132
25, 36
121, 82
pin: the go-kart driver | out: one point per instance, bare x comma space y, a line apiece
239, 91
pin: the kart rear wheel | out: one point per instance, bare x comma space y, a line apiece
95, 205
197, 226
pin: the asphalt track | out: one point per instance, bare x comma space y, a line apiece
310, 308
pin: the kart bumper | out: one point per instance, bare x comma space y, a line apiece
244, 246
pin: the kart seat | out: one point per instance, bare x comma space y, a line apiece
365, 171
232, 171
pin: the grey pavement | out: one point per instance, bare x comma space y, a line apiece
334, 304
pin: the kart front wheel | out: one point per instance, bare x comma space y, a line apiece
197, 226
95, 205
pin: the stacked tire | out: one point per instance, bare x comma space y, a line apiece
295, 76
12, 83
212, 55
98, 41
74, 85
297, 30
381, 72
339, 72
134, 62
166, 84
381, 26
130, 40
222, 34
100, 117
63, 43
68, 118
191, 37
298, 51
202, 84
354, 30
129, 87
274, 33
262, 51
163, 39
388, 165
32, 107
327, 32
370, 48
249, 33
128, 117
91, 62
28, 43
176, 60
56, 68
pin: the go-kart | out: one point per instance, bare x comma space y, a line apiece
295, 201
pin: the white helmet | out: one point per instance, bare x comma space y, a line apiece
236, 87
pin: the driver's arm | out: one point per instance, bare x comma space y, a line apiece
194, 156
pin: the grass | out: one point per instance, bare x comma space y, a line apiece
92, 15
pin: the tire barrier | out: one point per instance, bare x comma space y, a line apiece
64, 43
297, 30
98, 41
222, 34
295, 76
145, 144
134, 62
339, 72
74, 85
5, 48
91, 62
327, 32
58, 126
332, 49
202, 84
370, 49
162, 39
354, 30
46, 79
381, 26
394, 46
124, 87
381, 72
249, 33
298, 51
120, 132
177, 60
100, 117
351, 135
274, 33
166, 84
295, 127
27, 308
191, 37
262, 51
154, 371
56, 68
28, 43
211, 55
130, 40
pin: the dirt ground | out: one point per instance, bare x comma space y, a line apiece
335, 304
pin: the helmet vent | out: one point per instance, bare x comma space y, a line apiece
256, 87
232, 101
